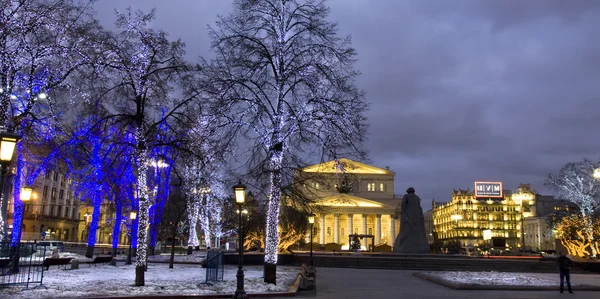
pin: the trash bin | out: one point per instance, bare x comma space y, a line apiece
74, 264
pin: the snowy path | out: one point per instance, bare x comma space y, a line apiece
106, 280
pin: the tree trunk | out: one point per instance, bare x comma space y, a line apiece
117, 227
18, 205
173, 249
143, 214
589, 231
272, 236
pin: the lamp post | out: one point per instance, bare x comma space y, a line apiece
311, 220
240, 197
132, 216
8, 142
456, 218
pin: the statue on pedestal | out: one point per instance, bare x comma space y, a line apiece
412, 238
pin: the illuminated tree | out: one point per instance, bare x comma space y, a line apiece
570, 230
286, 80
42, 42
575, 183
144, 83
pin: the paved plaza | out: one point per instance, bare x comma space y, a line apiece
347, 283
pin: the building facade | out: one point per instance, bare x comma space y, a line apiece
355, 198
510, 220
52, 212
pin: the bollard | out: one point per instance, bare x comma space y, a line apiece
74, 264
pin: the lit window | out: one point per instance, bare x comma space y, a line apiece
381, 187
371, 187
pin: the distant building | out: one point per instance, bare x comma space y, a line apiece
356, 199
52, 211
512, 219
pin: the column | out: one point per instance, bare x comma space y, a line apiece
350, 224
322, 229
336, 228
364, 223
378, 230
392, 237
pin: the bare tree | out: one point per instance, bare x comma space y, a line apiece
575, 182
42, 42
286, 79
143, 86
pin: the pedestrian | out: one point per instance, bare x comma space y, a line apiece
564, 266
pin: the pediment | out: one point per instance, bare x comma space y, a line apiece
345, 200
345, 166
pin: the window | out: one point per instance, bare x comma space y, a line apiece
371, 187
381, 187
47, 175
329, 231
56, 176
59, 210
45, 193
61, 194
67, 212
53, 195
370, 230
343, 231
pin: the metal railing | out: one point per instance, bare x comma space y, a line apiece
22, 264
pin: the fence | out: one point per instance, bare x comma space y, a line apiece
21, 264
214, 266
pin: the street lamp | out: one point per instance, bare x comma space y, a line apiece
456, 218
26, 193
132, 216
8, 142
240, 197
311, 220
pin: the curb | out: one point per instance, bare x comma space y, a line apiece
468, 286
292, 292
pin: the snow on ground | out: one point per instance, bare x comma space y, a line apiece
106, 280
493, 278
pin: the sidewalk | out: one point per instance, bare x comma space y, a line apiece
333, 283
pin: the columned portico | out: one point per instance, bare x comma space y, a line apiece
350, 224
392, 238
336, 228
378, 229
337, 220
322, 229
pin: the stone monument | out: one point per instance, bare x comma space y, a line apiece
412, 238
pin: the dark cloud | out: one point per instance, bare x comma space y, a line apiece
460, 90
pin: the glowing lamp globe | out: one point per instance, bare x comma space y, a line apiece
240, 193
132, 215
26, 193
311, 219
8, 142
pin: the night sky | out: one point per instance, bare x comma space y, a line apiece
500, 90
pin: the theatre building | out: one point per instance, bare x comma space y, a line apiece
354, 198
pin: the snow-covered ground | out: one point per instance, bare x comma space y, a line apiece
106, 280
493, 278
